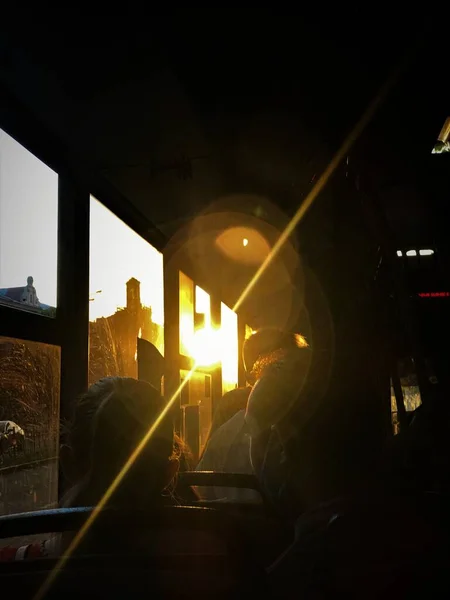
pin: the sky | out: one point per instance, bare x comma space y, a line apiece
29, 240
117, 254
28, 220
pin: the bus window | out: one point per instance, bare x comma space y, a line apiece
28, 230
29, 425
126, 300
410, 391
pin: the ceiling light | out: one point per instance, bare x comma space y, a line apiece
411, 253
426, 252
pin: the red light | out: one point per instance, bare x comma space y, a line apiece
434, 294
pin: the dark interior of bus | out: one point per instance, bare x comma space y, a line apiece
224, 304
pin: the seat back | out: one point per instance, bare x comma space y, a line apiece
125, 551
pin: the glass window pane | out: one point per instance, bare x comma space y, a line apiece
29, 425
410, 390
230, 349
198, 339
126, 300
28, 229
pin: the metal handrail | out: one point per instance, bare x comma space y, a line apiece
218, 479
71, 519
27, 465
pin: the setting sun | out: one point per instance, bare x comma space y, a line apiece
206, 347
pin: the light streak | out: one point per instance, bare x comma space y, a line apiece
42, 591
320, 184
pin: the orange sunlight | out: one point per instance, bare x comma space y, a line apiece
319, 185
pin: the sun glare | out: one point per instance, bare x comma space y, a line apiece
308, 201
205, 347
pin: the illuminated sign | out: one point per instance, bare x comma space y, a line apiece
434, 294
422, 252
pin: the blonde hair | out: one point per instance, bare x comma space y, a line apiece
267, 360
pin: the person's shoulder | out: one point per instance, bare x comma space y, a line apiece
223, 433
235, 422
238, 395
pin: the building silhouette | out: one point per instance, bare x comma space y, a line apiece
113, 339
25, 296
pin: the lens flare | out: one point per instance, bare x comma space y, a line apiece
320, 184
205, 347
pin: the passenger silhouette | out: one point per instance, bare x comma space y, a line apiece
354, 538
228, 450
109, 422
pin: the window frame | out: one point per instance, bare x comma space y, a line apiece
77, 181
69, 329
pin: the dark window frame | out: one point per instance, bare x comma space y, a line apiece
69, 329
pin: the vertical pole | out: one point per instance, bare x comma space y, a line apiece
73, 293
191, 429
172, 336
242, 380
216, 376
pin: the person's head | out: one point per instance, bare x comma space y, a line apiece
268, 346
110, 421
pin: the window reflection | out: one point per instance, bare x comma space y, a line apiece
29, 425
127, 298
28, 229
